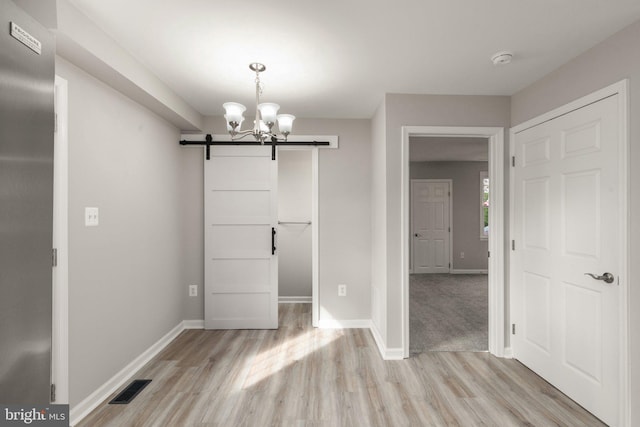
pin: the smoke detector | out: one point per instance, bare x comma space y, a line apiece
502, 58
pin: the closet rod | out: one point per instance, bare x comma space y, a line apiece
295, 222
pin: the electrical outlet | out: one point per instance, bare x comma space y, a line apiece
342, 290
193, 290
462, 255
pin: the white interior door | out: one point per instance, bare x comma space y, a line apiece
430, 204
566, 212
241, 264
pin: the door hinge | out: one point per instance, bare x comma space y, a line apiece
53, 392
54, 257
513, 245
449, 194
449, 229
55, 122
489, 254
513, 161
449, 265
513, 329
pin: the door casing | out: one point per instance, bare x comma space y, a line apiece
60, 273
495, 136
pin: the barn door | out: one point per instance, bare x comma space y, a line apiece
241, 261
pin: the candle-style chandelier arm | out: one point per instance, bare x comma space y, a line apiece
238, 135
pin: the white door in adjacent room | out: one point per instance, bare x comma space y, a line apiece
241, 261
430, 230
566, 224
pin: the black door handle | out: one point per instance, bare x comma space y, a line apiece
273, 240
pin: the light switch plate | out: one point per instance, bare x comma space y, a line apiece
91, 217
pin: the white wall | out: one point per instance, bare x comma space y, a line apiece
612, 60
126, 286
294, 240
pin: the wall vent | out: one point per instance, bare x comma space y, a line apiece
130, 392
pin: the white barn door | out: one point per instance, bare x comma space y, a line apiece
241, 261
430, 204
566, 224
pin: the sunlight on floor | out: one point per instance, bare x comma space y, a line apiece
297, 348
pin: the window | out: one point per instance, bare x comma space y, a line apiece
484, 205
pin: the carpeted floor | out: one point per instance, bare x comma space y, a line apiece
448, 312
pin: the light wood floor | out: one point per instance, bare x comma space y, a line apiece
300, 376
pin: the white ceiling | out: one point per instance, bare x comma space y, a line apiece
337, 58
448, 149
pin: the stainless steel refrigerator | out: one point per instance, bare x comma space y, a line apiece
27, 53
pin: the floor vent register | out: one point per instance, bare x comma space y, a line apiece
130, 392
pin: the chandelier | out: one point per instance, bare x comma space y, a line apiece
266, 116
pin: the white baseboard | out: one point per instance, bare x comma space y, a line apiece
385, 353
289, 300
508, 353
193, 324
462, 271
344, 324
84, 408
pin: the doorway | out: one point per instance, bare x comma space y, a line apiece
295, 269
495, 241
448, 281
333, 143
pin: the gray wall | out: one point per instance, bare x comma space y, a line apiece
466, 208
418, 110
126, 276
294, 240
42, 11
613, 60
345, 224
191, 195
